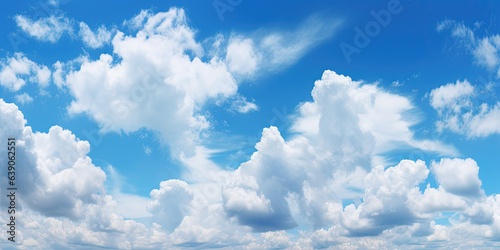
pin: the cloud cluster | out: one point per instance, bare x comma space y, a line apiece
17, 70
162, 64
458, 111
306, 178
366, 119
329, 181
303, 181
61, 195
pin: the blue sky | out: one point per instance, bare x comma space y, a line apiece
253, 124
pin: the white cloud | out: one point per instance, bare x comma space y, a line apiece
52, 28
131, 206
206, 221
138, 20
458, 176
367, 119
62, 192
458, 30
17, 70
241, 105
23, 98
393, 204
47, 29
272, 240
241, 57
452, 95
264, 51
437, 200
163, 65
486, 122
387, 199
97, 39
285, 48
155, 71
272, 173
160, 78
240, 199
339, 147
485, 50
169, 203
64, 172
391, 198
459, 113
286, 183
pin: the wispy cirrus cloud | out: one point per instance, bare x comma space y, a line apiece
460, 112
485, 50
274, 50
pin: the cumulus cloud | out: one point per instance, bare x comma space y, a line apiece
169, 203
61, 197
58, 179
459, 111
452, 96
326, 181
297, 180
367, 119
94, 39
286, 183
66, 173
265, 179
393, 202
386, 199
163, 65
82, 214
305, 178
458, 177
241, 56
46, 29
155, 70
17, 70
